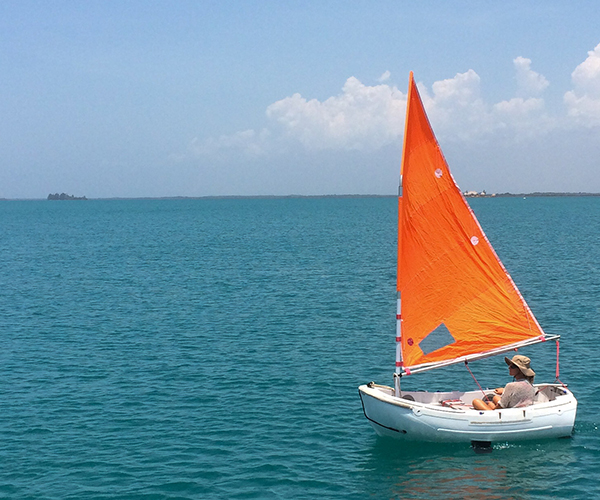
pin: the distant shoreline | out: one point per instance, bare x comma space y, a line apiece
521, 195
283, 196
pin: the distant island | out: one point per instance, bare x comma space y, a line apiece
63, 196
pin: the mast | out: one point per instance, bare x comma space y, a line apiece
398, 372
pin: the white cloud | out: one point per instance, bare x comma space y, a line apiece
455, 108
587, 75
530, 83
361, 117
462, 90
248, 142
367, 118
384, 77
525, 116
583, 102
519, 107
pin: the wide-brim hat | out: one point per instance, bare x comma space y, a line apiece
522, 363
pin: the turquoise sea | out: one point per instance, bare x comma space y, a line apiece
212, 349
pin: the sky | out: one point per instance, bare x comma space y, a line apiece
136, 98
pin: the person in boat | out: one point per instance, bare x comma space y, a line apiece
516, 394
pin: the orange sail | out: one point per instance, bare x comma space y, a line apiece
457, 300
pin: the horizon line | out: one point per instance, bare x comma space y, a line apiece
282, 196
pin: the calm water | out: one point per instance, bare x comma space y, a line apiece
208, 349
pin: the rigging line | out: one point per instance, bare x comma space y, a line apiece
480, 388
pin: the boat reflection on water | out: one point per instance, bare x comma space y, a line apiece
442, 471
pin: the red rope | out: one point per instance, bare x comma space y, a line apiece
480, 388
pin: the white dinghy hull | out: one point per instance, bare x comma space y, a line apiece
448, 416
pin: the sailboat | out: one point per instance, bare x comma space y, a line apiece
456, 303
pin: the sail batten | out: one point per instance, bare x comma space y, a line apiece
448, 272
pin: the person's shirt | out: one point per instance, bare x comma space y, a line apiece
517, 394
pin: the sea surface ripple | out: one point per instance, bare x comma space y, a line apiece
212, 349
